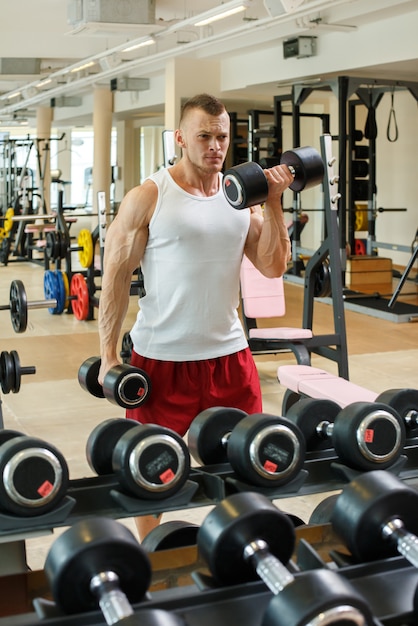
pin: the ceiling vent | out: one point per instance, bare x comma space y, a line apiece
19, 66
108, 16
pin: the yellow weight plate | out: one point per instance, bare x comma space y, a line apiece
361, 221
67, 288
8, 220
85, 242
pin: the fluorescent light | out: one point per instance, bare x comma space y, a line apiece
142, 44
220, 16
83, 67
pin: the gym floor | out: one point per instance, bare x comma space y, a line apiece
51, 404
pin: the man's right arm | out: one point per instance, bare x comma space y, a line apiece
125, 244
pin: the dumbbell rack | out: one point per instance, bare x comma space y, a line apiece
388, 586
206, 486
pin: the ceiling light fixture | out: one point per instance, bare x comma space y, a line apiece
82, 67
219, 14
141, 44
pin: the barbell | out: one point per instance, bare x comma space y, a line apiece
54, 283
11, 371
246, 185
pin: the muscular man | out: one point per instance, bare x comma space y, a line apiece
189, 243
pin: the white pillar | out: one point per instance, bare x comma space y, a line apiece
102, 128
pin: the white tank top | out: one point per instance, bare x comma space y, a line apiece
191, 276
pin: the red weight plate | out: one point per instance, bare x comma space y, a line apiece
81, 304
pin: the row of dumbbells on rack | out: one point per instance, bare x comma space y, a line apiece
149, 463
362, 435
97, 567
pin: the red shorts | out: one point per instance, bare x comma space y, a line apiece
181, 390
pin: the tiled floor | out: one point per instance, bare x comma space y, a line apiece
52, 405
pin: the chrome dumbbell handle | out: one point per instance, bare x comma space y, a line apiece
274, 574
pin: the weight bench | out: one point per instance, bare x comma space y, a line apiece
314, 382
263, 298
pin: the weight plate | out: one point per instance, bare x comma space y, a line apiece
101, 443
18, 306
151, 462
52, 291
209, 431
85, 242
7, 372
52, 245
34, 476
8, 220
2, 234
17, 371
88, 548
81, 303
266, 450
64, 277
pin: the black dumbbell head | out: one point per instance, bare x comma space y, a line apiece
88, 548
308, 167
87, 376
232, 525
151, 462
315, 593
366, 505
102, 441
245, 185
207, 432
34, 476
266, 450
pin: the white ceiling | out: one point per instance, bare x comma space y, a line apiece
39, 29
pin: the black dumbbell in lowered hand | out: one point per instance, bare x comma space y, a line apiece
246, 184
98, 563
124, 385
246, 537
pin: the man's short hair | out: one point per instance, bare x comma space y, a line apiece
204, 101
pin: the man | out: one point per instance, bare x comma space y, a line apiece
189, 243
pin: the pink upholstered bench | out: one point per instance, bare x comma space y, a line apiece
317, 383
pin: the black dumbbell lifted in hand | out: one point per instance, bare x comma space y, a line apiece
364, 435
149, 461
246, 185
98, 563
246, 536
124, 385
263, 450
376, 517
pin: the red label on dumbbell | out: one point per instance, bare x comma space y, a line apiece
269, 466
167, 476
141, 392
45, 489
368, 435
